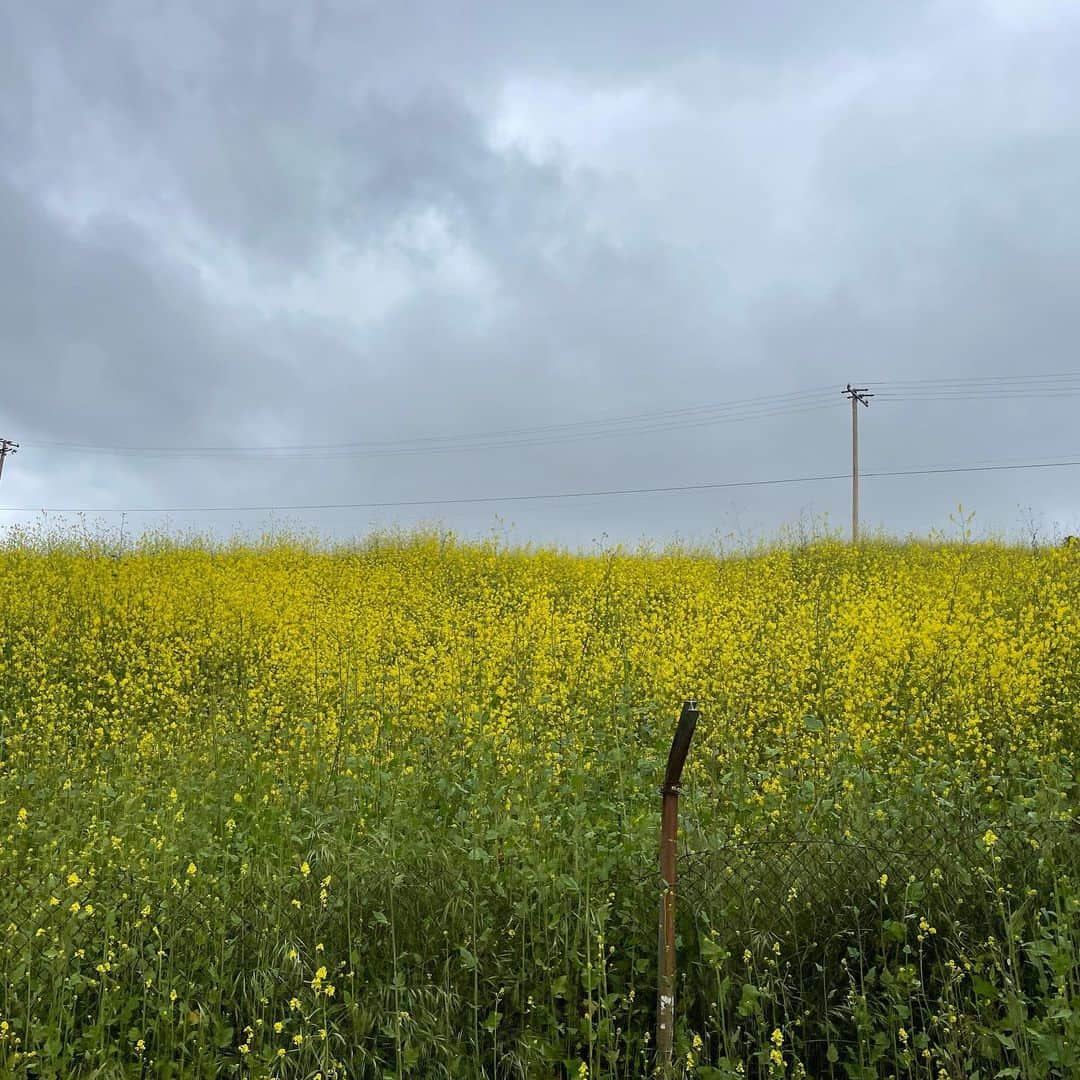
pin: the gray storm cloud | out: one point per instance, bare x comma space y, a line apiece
272, 226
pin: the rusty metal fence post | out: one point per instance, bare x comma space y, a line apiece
669, 828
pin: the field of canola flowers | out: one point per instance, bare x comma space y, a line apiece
392, 811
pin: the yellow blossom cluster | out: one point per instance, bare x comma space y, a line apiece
959, 646
208, 755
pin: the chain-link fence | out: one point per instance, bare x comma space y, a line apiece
822, 915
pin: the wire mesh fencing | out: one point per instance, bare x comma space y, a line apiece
804, 923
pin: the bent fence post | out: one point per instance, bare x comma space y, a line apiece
669, 827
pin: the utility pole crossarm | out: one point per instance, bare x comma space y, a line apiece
6, 447
861, 394
858, 395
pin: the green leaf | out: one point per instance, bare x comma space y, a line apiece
748, 999
711, 951
725, 1069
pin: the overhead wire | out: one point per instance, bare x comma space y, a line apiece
331, 452
1046, 377
744, 409
885, 396
1036, 386
1065, 384
971, 388
481, 499
1007, 387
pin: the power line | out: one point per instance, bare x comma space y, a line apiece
481, 499
977, 395
343, 451
980, 388
747, 408
984, 379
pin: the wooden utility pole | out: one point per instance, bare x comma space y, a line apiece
859, 395
669, 828
6, 447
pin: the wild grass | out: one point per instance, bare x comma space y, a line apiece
394, 812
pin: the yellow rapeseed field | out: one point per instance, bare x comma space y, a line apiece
392, 810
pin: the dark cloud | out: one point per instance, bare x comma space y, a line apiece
277, 224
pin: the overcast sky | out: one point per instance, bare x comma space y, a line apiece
453, 240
